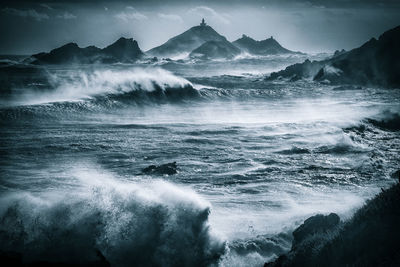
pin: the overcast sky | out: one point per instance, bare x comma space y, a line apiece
28, 27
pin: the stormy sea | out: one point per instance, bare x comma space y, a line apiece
173, 163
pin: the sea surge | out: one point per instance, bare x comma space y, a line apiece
104, 220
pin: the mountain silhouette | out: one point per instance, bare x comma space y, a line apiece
377, 63
265, 47
123, 50
215, 50
186, 42
198, 42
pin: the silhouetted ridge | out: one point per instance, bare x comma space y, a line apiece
215, 50
187, 41
123, 50
377, 62
265, 47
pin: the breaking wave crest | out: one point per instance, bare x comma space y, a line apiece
67, 85
108, 221
94, 91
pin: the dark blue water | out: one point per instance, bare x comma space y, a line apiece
254, 159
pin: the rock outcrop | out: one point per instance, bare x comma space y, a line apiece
186, 42
123, 50
265, 47
370, 238
215, 50
375, 63
168, 169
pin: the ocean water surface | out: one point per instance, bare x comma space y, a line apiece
254, 158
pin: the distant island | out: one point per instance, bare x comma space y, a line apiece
265, 47
375, 63
123, 50
199, 42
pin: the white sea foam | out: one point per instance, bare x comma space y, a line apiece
142, 224
77, 85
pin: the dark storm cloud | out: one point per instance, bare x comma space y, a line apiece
32, 26
320, 3
27, 13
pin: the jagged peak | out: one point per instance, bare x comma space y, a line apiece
123, 40
69, 45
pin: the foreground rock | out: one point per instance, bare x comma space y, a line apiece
376, 63
315, 225
168, 168
370, 238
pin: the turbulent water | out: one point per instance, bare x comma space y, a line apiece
254, 158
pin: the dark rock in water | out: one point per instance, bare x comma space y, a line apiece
391, 122
299, 70
316, 224
375, 63
215, 50
168, 168
265, 47
123, 50
370, 238
187, 41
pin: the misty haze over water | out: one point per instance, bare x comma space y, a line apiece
196, 142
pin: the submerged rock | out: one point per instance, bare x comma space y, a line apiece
168, 168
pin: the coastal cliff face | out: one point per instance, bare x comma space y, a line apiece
376, 63
370, 238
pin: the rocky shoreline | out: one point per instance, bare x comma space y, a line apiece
370, 238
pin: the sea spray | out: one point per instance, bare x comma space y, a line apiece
71, 85
130, 224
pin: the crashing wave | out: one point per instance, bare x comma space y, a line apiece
115, 82
125, 224
92, 91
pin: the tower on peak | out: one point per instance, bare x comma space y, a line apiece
203, 23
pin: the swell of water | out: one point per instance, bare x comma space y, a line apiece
254, 159
146, 224
75, 85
